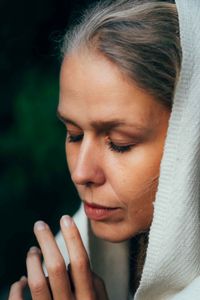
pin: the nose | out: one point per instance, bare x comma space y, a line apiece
87, 169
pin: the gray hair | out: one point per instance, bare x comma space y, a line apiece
140, 37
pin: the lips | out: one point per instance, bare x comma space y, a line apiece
93, 205
98, 212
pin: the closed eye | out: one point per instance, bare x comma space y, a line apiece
74, 138
112, 146
118, 148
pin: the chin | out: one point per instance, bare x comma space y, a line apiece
114, 233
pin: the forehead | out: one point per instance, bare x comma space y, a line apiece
91, 84
84, 67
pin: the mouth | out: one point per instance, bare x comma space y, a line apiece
97, 212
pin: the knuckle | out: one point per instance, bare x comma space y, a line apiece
57, 268
37, 287
72, 236
82, 264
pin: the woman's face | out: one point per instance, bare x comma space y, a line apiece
115, 138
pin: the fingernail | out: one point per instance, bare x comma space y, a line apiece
23, 278
67, 221
34, 250
40, 225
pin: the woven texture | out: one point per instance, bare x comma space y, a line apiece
172, 264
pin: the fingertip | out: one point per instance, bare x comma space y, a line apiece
23, 279
34, 250
22, 282
39, 226
17, 288
66, 221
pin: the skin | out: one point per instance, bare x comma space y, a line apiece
114, 166
92, 89
87, 285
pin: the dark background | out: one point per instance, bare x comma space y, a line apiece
34, 180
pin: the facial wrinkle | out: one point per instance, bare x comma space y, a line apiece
149, 189
148, 186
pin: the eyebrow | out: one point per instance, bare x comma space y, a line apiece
103, 125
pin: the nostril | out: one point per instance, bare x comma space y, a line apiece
88, 184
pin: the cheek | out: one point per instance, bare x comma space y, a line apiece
134, 176
134, 181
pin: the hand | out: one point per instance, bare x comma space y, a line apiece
78, 284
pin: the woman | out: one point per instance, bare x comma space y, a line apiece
132, 115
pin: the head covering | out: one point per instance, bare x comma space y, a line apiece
173, 254
172, 265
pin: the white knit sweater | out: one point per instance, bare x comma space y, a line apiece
172, 266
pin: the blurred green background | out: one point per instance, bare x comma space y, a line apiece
34, 180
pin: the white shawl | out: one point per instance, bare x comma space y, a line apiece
173, 255
172, 266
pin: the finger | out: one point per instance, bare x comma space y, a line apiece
56, 268
69, 271
100, 288
79, 261
17, 288
36, 278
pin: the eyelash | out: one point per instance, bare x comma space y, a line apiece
111, 145
117, 148
74, 138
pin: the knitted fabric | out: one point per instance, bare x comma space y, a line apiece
172, 263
